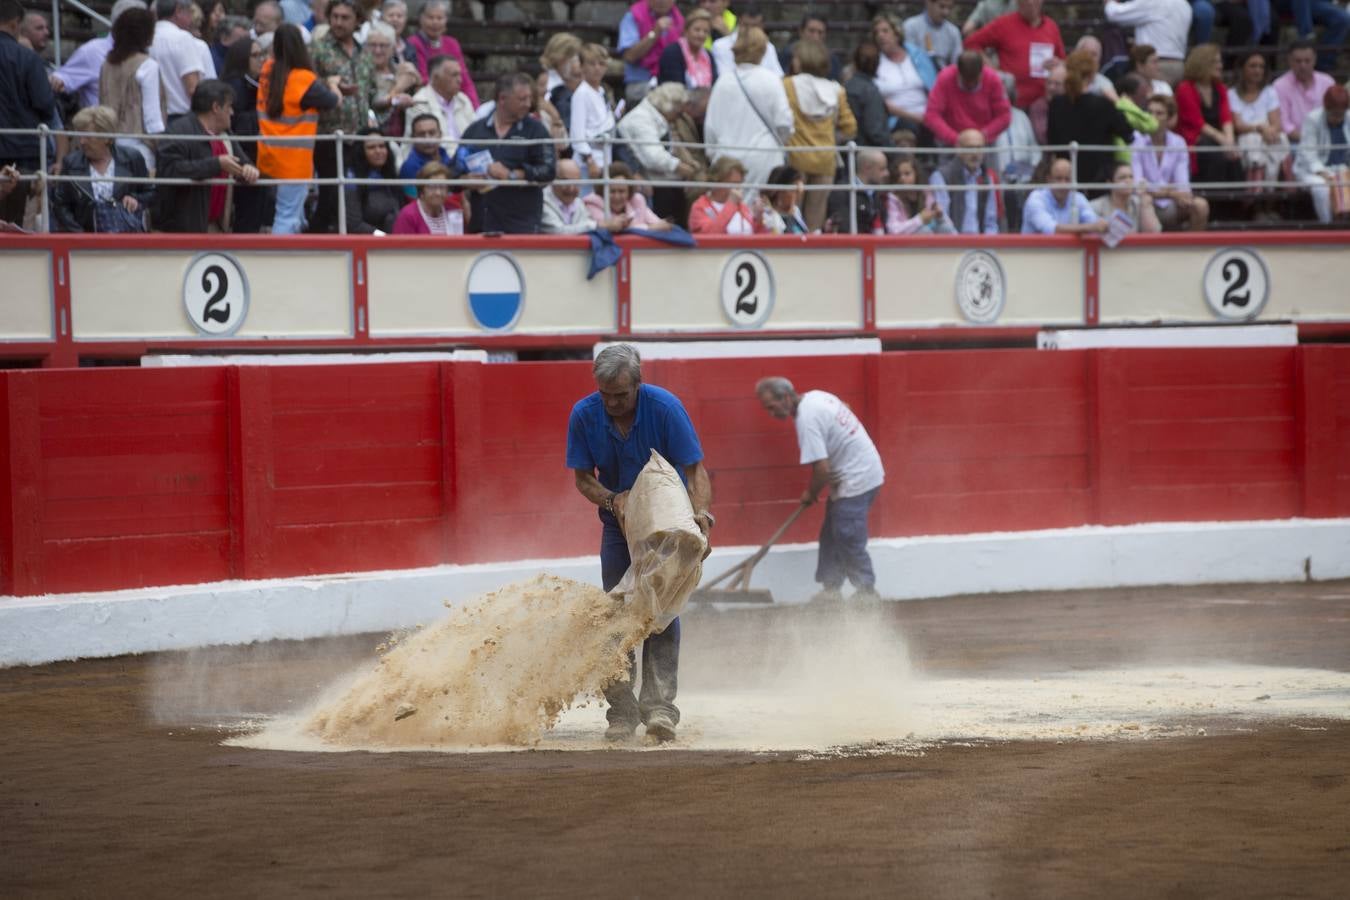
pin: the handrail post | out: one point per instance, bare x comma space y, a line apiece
342, 183
1073, 163
56, 29
605, 151
852, 187
41, 182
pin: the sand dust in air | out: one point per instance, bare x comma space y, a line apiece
497, 671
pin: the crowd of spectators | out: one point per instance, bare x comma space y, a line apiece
949, 120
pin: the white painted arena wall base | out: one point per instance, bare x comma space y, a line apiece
35, 630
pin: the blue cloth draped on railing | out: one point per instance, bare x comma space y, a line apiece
605, 252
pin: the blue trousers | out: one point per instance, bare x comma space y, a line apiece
843, 543
290, 215
660, 652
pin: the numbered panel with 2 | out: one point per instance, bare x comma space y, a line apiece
1236, 284
215, 294
747, 289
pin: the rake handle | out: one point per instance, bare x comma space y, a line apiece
744, 566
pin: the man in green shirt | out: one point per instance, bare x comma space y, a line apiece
338, 53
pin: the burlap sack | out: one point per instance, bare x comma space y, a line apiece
664, 542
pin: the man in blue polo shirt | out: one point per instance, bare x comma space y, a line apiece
610, 436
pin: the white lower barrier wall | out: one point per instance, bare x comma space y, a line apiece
35, 630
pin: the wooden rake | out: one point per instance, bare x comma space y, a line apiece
740, 591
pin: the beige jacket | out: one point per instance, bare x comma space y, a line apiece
819, 109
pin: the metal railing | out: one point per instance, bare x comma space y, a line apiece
56, 22
850, 152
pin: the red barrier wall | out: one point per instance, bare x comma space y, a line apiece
127, 477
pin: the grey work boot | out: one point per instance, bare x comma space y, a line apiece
660, 727
866, 596
827, 597
620, 732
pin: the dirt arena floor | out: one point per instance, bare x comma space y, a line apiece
104, 793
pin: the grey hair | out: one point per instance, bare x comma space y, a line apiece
775, 386
229, 24
615, 360
383, 30
390, 4
509, 82
668, 98
434, 4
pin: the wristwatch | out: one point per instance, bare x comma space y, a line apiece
651, 35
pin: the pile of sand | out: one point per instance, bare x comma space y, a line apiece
497, 671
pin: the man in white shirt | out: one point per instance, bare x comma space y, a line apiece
442, 98
750, 16
181, 62
841, 456
1162, 24
564, 213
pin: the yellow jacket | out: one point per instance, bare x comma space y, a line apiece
819, 109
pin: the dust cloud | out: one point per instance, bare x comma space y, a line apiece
832, 680
252, 682
503, 672
833, 674
495, 672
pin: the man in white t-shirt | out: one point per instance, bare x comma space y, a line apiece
749, 16
181, 62
841, 456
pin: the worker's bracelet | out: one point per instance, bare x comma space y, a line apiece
609, 503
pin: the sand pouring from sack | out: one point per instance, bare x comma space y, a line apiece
496, 671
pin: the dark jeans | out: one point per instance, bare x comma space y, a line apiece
660, 652
12, 207
254, 207
843, 543
325, 220
1335, 24
1233, 14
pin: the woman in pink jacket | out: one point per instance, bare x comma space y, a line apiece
721, 210
431, 41
625, 203
436, 210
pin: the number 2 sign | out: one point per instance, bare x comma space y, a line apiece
747, 289
1236, 284
215, 294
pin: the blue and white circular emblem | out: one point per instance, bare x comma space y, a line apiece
496, 291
